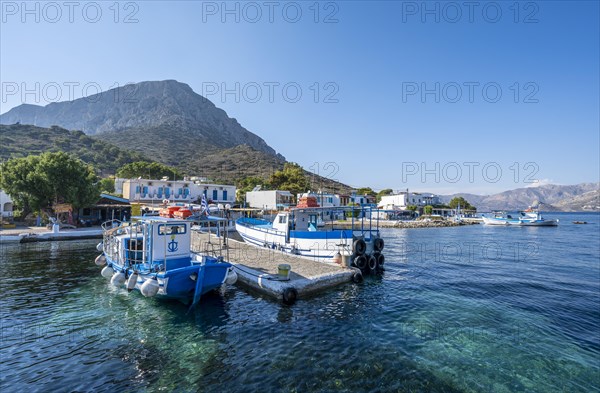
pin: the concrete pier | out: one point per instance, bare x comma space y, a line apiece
41, 234
257, 268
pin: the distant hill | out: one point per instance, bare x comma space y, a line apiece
551, 197
22, 140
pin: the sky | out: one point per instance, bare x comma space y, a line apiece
441, 97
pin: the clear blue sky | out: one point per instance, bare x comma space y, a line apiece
373, 55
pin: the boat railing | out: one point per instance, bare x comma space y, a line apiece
111, 224
251, 221
133, 253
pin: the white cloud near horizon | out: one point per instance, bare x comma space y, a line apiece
541, 182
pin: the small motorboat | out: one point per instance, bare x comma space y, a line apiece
153, 255
526, 218
579, 222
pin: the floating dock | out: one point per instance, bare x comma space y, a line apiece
257, 268
39, 234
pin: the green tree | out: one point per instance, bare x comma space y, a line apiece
355, 212
107, 185
428, 209
247, 184
291, 178
36, 182
148, 170
387, 191
412, 208
464, 204
366, 191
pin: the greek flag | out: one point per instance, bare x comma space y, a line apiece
204, 205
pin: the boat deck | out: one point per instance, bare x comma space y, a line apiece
257, 268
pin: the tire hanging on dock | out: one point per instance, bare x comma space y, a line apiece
290, 295
378, 244
361, 262
357, 277
359, 247
372, 263
380, 260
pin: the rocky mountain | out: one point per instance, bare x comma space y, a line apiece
170, 107
551, 197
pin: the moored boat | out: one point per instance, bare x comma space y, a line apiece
524, 218
298, 231
153, 255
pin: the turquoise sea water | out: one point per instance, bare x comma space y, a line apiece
469, 309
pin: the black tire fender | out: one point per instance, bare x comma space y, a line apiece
290, 295
361, 262
359, 247
378, 244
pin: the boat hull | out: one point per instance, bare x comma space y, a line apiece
180, 284
319, 245
523, 223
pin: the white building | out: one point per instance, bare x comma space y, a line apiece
155, 191
362, 199
6, 205
269, 200
402, 200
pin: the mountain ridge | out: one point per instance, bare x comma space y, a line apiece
165, 104
551, 197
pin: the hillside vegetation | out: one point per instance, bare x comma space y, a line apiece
22, 140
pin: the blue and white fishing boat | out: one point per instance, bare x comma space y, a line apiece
153, 255
528, 218
298, 231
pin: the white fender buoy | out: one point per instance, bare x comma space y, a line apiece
118, 279
100, 260
107, 272
100, 247
149, 288
131, 281
231, 278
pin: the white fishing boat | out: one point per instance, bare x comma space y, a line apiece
526, 218
297, 232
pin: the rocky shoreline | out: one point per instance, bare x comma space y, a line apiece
409, 224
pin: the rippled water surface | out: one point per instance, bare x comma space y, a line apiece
457, 310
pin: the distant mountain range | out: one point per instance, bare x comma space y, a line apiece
551, 197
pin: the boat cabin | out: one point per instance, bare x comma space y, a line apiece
158, 243
299, 220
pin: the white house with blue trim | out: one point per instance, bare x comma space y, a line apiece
155, 191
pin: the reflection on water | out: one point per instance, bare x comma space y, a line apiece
458, 309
